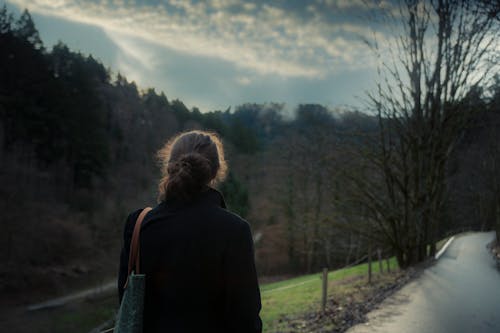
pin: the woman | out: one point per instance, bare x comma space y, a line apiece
198, 257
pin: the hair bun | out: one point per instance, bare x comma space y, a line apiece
189, 162
188, 174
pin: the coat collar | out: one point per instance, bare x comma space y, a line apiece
213, 197
209, 196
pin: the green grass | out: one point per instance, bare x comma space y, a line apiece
301, 294
288, 298
298, 295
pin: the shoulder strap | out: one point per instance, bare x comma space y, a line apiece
133, 259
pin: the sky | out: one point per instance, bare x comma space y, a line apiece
222, 53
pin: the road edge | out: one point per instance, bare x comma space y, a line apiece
443, 249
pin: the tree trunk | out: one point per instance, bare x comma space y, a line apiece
328, 253
349, 253
380, 263
370, 263
358, 250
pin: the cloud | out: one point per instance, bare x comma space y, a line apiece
243, 80
133, 50
265, 38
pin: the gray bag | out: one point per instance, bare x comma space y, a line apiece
130, 314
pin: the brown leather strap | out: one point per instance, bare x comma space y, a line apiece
133, 259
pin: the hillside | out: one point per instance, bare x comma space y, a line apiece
77, 154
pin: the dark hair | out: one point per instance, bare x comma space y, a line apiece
190, 161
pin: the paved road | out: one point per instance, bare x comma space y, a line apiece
460, 293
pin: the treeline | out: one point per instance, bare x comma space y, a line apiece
78, 151
473, 185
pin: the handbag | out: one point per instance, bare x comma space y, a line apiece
130, 313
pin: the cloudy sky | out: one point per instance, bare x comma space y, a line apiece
221, 53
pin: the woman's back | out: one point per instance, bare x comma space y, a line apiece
198, 257
198, 261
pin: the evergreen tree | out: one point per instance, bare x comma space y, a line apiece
236, 195
5, 20
26, 30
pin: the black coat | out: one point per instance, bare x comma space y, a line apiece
199, 264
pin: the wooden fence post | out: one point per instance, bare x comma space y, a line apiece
325, 290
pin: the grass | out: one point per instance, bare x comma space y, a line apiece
281, 301
289, 298
351, 298
298, 295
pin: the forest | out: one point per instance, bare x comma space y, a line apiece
78, 150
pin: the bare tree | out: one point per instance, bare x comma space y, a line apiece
442, 48
310, 170
309, 206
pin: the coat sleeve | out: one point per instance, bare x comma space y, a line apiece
243, 302
127, 237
